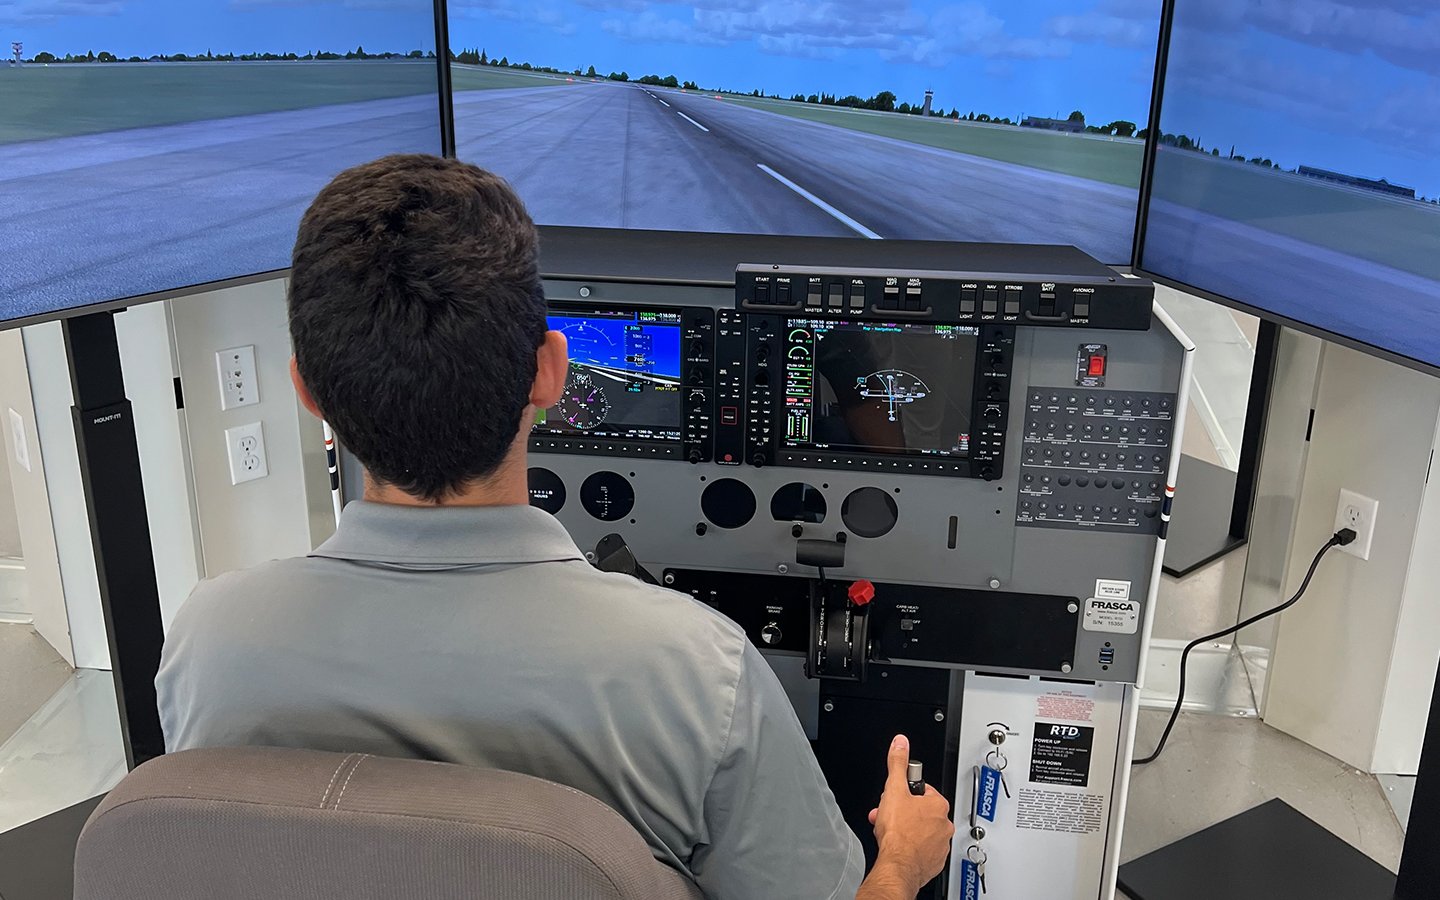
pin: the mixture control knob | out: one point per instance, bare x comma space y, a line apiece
771, 634
861, 592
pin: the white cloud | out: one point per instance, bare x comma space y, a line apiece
892, 28
540, 13
1405, 33
36, 12
383, 5
1099, 28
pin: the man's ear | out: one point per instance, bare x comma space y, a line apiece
552, 366
303, 392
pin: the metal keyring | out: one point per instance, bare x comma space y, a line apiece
974, 849
998, 755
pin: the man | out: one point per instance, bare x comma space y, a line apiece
449, 620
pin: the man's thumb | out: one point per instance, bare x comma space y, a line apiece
898, 759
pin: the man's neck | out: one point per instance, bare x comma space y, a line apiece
506, 486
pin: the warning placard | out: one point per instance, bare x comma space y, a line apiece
1061, 754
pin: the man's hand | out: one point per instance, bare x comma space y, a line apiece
913, 833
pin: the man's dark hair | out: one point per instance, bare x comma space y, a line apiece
416, 309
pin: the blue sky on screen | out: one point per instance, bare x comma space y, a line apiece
148, 27
1352, 85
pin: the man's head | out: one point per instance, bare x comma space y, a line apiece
418, 321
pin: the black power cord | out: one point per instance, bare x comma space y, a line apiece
1338, 539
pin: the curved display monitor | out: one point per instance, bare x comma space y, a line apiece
992, 120
147, 147
1298, 171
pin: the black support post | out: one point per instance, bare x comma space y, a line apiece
119, 527
1420, 861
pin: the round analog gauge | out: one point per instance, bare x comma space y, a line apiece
583, 404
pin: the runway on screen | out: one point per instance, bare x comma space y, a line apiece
95, 217
89, 218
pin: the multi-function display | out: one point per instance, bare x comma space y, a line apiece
879, 387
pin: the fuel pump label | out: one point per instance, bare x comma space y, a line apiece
1112, 616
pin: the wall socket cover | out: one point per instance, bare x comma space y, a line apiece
1358, 512
245, 446
18, 443
238, 384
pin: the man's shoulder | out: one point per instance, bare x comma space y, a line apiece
659, 606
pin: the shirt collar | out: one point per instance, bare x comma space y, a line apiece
448, 535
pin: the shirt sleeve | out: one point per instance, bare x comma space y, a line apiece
773, 828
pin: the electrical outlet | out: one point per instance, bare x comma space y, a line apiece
245, 445
238, 384
1358, 512
17, 439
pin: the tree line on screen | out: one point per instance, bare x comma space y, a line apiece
104, 56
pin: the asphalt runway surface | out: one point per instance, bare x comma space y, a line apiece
104, 216
1355, 298
631, 156
93, 218
98, 217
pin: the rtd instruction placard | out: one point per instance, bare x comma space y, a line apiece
1061, 754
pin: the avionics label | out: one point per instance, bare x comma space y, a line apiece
1061, 754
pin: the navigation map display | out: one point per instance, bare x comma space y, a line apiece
873, 387
624, 381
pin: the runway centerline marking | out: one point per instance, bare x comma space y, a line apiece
667, 106
844, 219
688, 119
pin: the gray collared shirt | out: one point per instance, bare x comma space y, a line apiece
481, 636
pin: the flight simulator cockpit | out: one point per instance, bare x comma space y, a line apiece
930, 481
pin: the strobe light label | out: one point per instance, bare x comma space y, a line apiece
1111, 616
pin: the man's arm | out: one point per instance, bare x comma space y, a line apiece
771, 826
913, 833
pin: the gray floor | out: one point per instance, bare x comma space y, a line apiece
1217, 766
30, 672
